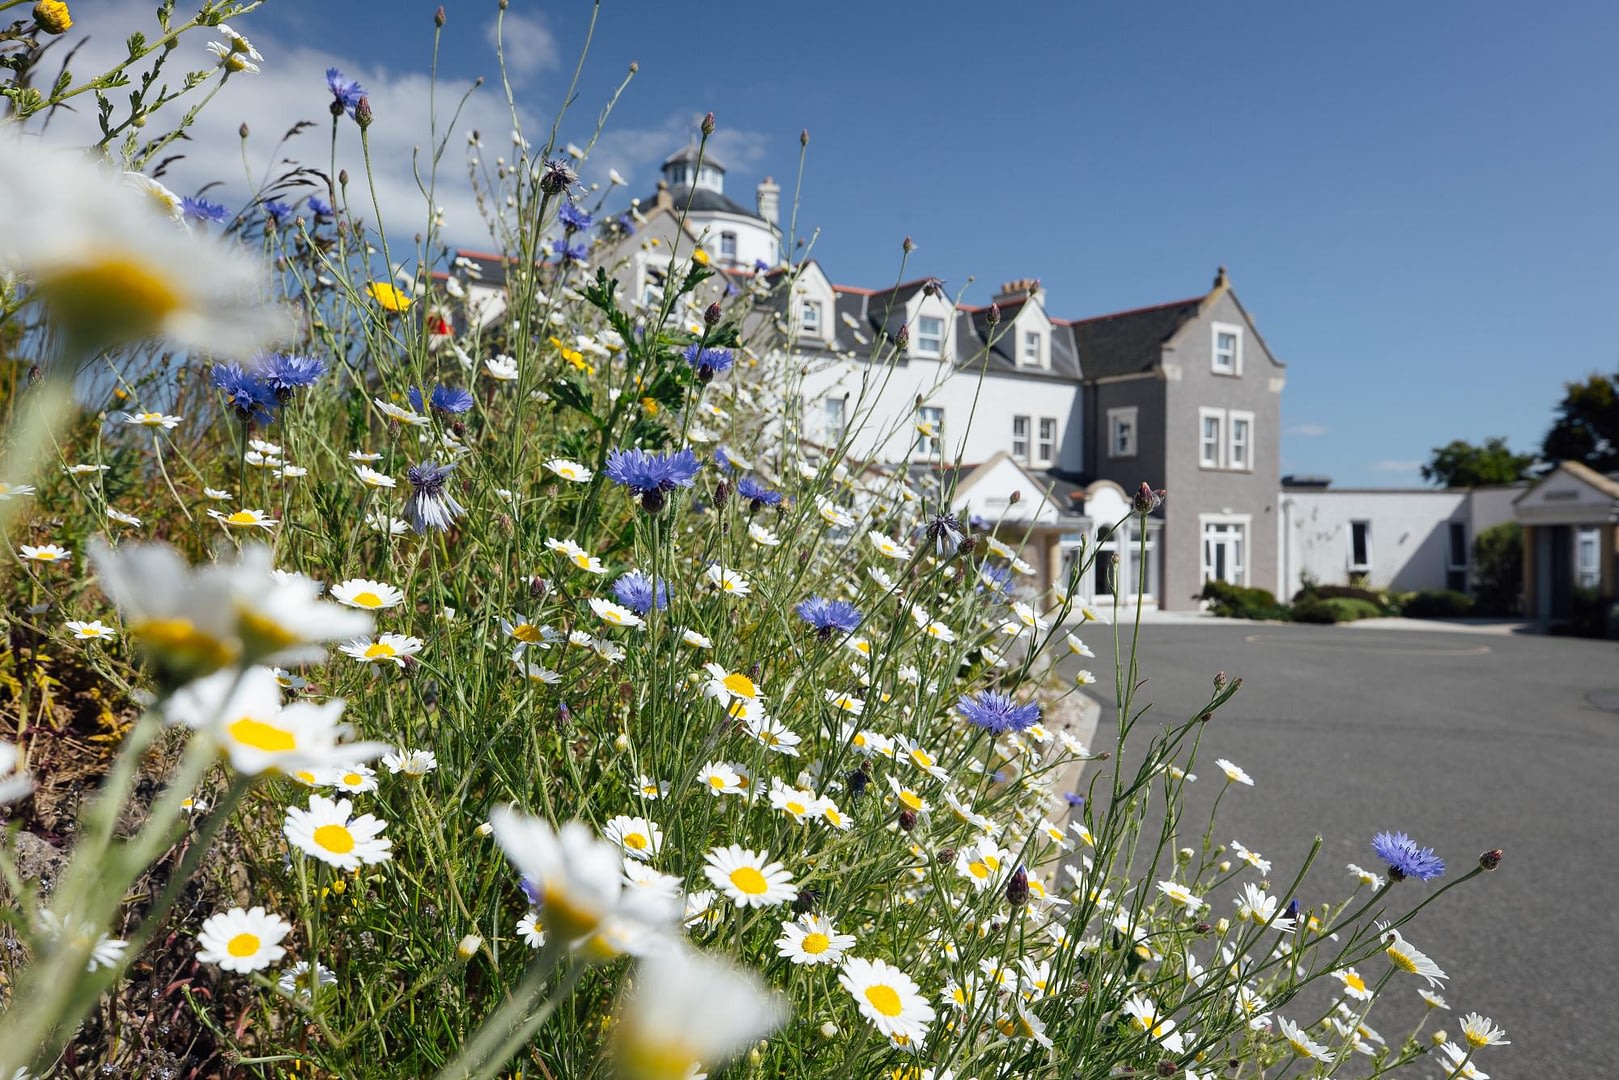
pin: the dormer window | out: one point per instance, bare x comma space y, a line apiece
728, 246
809, 317
1031, 353
929, 339
1227, 349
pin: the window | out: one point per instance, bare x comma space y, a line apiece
1227, 349
1587, 557
1360, 547
1211, 441
832, 423
1225, 545
728, 246
929, 340
809, 317
1239, 451
1121, 428
1031, 354
1020, 438
929, 430
1456, 557
1048, 440
1121, 565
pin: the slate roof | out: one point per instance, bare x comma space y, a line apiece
1131, 341
705, 201
689, 153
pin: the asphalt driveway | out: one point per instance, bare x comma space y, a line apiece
1465, 741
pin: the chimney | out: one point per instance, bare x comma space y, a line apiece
770, 201
664, 200
1016, 291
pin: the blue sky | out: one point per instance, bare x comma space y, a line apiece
1415, 201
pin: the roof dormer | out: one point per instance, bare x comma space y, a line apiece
687, 168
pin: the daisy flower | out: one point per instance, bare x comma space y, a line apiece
796, 803
651, 789
887, 997
12, 491
44, 553
1460, 1068
1354, 985
727, 581
1302, 1044
531, 931
1433, 1000
688, 1012
218, 494
908, 798
919, 756
762, 536
354, 779
748, 878
101, 950
242, 940
727, 687
1366, 877
1144, 1016
696, 640
720, 779
1077, 647
411, 763
529, 633
501, 368
889, 547
153, 420
242, 519
1409, 958
636, 836
1252, 858
123, 518
90, 631
298, 981
615, 614
772, 734
373, 479
833, 514
1480, 1030
846, 702
325, 832
571, 471
577, 555
367, 594
812, 939
1234, 773
395, 647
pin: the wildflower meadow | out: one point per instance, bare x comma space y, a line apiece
392, 689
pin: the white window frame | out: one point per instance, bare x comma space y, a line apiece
919, 339
1045, 448
728, 240
1023, 424
833, 407
1349, 556
1125, 414
1245, 524
1219, 362
1587, 540
1456, 571
926, 446
1233, 416
1037, 340
1206, 459
809, 317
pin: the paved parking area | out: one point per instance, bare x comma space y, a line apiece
1466, 741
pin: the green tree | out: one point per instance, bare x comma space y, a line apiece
1587, 425
1498, 569
1461, 464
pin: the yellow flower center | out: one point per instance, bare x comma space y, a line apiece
181, 636
816, 943
700, 257
716, 781
1402, 961
912, 800
582, 561
636, 840
353, 779
114, 298
262, 736
366, 599
242, 517
885, 999
922, 758
740, 685
335, 838
243, 944
1354, 981
796, 808
748, 879
831, 814
379, 649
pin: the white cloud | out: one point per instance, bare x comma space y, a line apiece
530, 46
1307, 430
637, 153
1395, 466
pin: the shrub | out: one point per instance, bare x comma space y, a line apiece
1336, 609
1498, 570
1230, 601
1437, 604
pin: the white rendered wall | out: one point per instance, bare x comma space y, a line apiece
1409, 536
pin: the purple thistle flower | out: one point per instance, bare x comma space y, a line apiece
636, 591
757, 494
446, 399
574, 219
998, 713
829, 615
1405, 859
203, 210
283, 373
430, 506
244, 394
346, 93
650, 475
569, 252
708, 362
946, 533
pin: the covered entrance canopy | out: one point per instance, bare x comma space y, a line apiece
1569, 518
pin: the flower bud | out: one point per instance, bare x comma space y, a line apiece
52, 16
1219, 680
1223, 926
803, 137
1184, 855
722, 495
1147, 500
342, 178
1014, 498
1439, 1038
708, 125
438, 16
622, 743
908, 246
635, 65
1168, 1067
907, 820
903, 338
1225, 866
994, 314
362, 113
469, 946
829, 1030
1490, 859
1017, 888
711, 314
242, 131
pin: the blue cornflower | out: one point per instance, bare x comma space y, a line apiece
652, 476
203, 210
346, 93
946, 533
1405, 859
244, 394
759, 265
708, 362
636, 591
574, 219
430, 506
277, 210
319, 206
446, 399
757, 494
994, 578
829, 615
1073, 798
722, 461
569, 252
626, 223
283, 373
998, 713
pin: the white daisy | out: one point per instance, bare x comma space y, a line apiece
90, 631
44, 553
1302, 1044
153, 420
242, 940
244, 519
727, 581
325, 832
812, 939
569, 470
373, 479
297, 981
887, 997
394, 647
615, 614
411, 763
637, 837
367, 594
1409, 958
1234, 773
748, 878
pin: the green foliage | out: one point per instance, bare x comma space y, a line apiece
1437, 604
1230, 601
1461, 464
1587, 425
1336, 609
1379, 599
1498, 569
